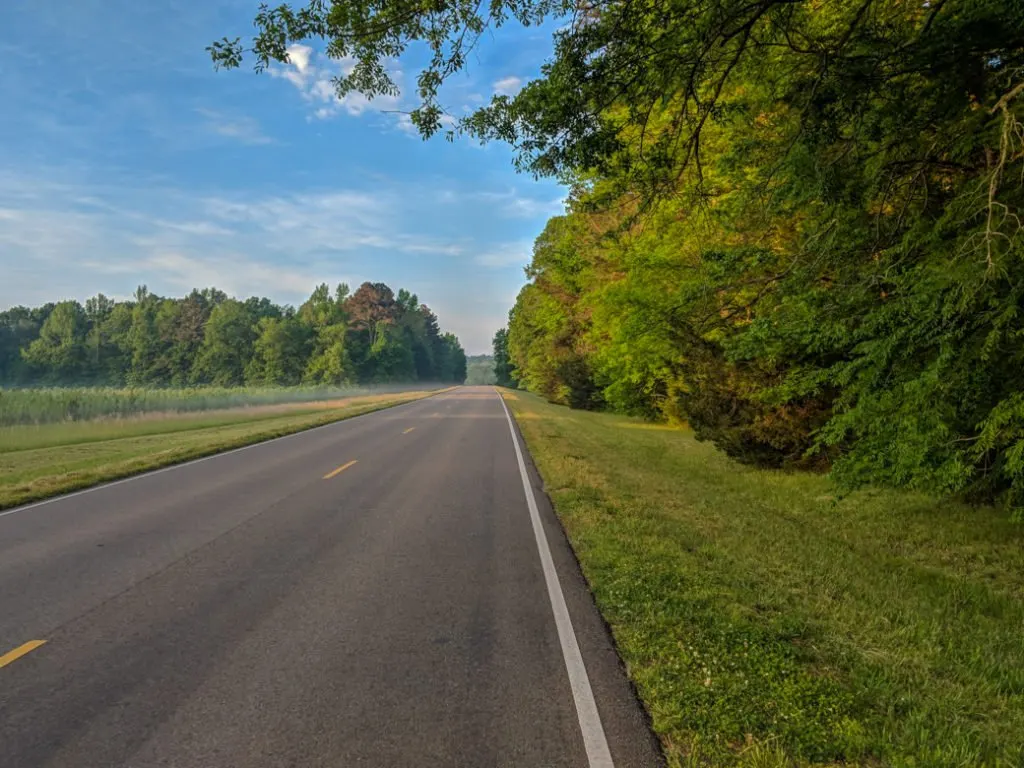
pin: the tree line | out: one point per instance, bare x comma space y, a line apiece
821, 265
795, 225
334, 338
480, 370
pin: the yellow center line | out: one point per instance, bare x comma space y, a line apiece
342, 468
20, 651
410, 429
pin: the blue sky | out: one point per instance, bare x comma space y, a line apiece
125, 159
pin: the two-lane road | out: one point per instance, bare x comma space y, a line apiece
367, 593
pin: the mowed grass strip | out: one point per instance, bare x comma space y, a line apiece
119, 450
768, 622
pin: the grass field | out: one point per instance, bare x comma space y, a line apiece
767, 622
43, 460
52, 405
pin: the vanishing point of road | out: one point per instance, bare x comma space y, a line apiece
389, 590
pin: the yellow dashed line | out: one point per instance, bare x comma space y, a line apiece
20, 651
410, 429
340, 469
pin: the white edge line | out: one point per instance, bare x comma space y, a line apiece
168, 468
594, 740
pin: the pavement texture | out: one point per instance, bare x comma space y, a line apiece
261, 608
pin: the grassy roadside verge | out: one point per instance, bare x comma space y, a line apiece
768, 623
37, 473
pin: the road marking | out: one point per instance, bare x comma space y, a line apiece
594, 741
410, 429
20, 651
211, 457
340, 469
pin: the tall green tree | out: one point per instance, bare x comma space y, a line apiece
59, 353
19, 326
280, 352
502, 363
227, 345
325, 317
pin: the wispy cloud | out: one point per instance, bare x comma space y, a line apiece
277, 245
512, 204
241, 128
506, 255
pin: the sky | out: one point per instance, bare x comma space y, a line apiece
125, 159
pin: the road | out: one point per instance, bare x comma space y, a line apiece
367, 593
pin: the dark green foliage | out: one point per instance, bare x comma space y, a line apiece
59, 352
280, 352
207, 338
503, 372
18, 327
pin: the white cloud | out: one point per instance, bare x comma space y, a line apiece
508, 86
299, 56
314, 74
405, 124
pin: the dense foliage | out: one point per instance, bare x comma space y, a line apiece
502, 364
793, 224
206, 338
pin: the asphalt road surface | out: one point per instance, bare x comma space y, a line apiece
369, 593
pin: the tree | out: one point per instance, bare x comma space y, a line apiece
19, 326
227, 346
371, 309
59, 351
180, 325
501, 363
144, 341
451, 360
207, 338
327, 321
280, 352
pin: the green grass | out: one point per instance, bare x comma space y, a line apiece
768, 622
43, 461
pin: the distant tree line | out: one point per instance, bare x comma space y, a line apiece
480, 370
332, 339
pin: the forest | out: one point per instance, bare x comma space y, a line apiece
795, 226
808, 247
334, 338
